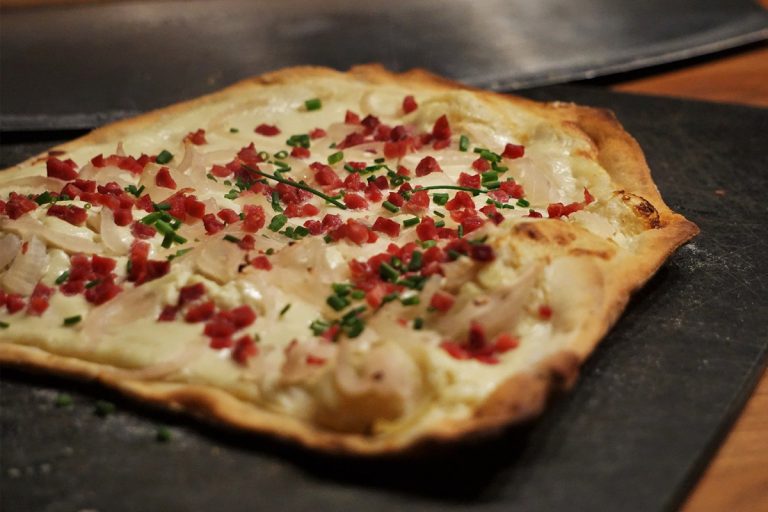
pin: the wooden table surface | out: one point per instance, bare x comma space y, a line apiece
737, 477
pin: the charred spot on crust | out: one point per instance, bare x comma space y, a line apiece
56, 152
529, 230
578, 251
642, 208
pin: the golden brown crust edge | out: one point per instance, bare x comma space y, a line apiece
519, 398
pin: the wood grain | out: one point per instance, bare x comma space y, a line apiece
737, 477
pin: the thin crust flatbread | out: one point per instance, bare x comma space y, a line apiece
577, 271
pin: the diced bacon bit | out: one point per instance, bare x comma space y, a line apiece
38, 301
200, 312
396, 149
471, 223
409, 104
513, 189
304, 210
14, 303
403, 171
315, 227
247, 243
193, 207
588, 198
18, 205
253, 218
545, 312
354, 231
462, 199
315, 360
325, 176
105, 290
513, 151
396, 199
300, 152
354, 182
482, 252
126, 163
387, 226
197, 138
331, 221
70, 213
191, 293
355, 201
534, 214
228, 215
373, 192
242, 316
123, 216
469, 180
492, 213
261, 262
499, 195
557, 210
418, 202
427, 165
268, 130
221, 171
145, 203
455, 350
290, 194
426, 229
168, 314
442, 301
142, 269
505, 342
219, 326
212, 224
481, 165
370, 122
353, 139
72, 287
442, 129
381, 182
317, 133
351, 118
244, 349
63, 170
102, 265
2, 211
142, 231
220, 343
332, 332
164, 179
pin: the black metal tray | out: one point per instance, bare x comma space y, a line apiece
651, 406
78, 66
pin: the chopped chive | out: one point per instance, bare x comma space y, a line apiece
4, 325
337, 303
426, 244
72, 320
492, 184
104, 408
285, 309
413, 300
91, 284
499, 168
460, 231
389, 297
349, 168
439, 214
379, 160
416, 261
232, 238
390, 206
180, 252
411, 222
298, 140
234, 130
211, 177
232, 194
160, 207
388, 272
418, 323
328, 239
440, 224
263, 156
163, 434
277, 222
62, 277
440, 198
131, 189
357, 294
301, 185
354, 328
341, 289
313, 104
336, 157
318, 327
270, 251
44, 198
489, 176
453, 255
63, 400
276, 201
164, 157
523, 203
463, 143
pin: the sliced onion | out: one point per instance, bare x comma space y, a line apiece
218, 259
496, 310
27, 225
107, 174
27, 268
161, 369
34, 184
9, 248
116, 239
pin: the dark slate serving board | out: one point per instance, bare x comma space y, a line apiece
87, 63
651, 406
